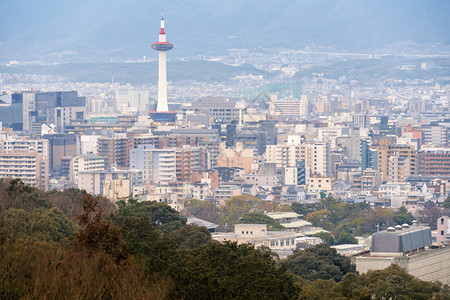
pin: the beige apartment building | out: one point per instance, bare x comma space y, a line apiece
238, 157
85, 163
27, 165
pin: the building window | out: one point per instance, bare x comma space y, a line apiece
251, 232
282, 243
272, 243
442, 221
242, 232
442, 232
246, 232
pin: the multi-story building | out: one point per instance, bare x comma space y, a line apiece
285, 155
414, 131
317, 158
116, 150
318, 184
399, 168
88, 143
188, 159
60, 146
217, 109
28, 110
351, 144
85, 163
434, 161
360, 120
263, 180
130, 100
370, 179
224, 192
17, 143
211, 151
157, 165
287, 108
238, 157
115, 185
27, 165
385, 150
410, 248
443, 230
435, 135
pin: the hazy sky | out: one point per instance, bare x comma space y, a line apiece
98, 29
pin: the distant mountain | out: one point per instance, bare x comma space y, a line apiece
137, 73
80, 30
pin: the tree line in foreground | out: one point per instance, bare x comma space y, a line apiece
71, 245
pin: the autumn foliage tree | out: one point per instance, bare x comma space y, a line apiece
96, 234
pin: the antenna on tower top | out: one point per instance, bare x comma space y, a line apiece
162, 13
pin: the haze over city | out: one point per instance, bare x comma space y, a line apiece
225, 149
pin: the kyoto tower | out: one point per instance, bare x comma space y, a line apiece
162, 113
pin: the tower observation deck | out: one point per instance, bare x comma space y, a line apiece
162, 113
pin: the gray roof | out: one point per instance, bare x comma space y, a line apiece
200, 222
401, 241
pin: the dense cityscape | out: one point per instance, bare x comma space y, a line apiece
329, 165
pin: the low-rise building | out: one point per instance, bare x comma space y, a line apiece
225, 192
281, 242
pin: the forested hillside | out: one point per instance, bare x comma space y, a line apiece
72, 245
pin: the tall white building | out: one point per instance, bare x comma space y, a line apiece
317, 158
304, 106
157, 165
285, 155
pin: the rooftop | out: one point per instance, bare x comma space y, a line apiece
283, 215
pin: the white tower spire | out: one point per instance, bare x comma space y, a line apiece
162, 75
162, 46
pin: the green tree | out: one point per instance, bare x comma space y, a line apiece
160, 215
70, 201
320, 218
14, 193
346, 238
390, 283
402, 216
153, 248
259, 218
377, 216
446, 203
190, 237
231, 271
319, 262
237, 206
205, 210
303, 209
42, 224
319, 289
326, 237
